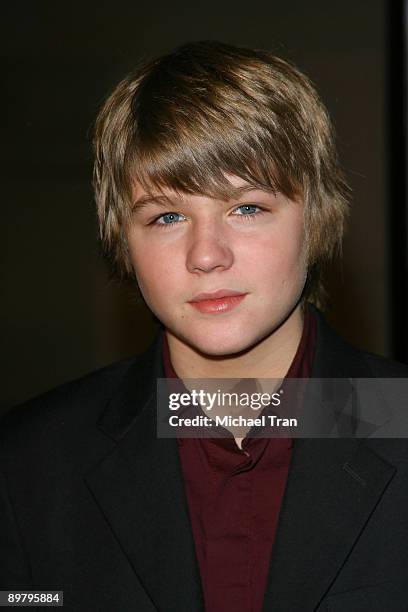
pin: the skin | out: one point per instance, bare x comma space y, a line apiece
254, 244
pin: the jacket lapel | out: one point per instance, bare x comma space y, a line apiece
139, 489
333, 487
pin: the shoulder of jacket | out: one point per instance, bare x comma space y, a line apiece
382, 367
77, 403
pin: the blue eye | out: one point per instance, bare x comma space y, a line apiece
248, 210
169, 218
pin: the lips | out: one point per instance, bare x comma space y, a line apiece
221, 293
217, 302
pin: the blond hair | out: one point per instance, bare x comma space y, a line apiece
185, 120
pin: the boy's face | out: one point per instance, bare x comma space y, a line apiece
253, 246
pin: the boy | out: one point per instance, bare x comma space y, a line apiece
219, 192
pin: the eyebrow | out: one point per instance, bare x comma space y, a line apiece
163, 200
145, 200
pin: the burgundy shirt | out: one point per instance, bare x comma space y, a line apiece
234, 498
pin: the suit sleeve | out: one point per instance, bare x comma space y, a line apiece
14, 567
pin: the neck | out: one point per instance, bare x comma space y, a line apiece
269, 358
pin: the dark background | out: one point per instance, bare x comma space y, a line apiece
62, 315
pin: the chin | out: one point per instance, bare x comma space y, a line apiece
218, 345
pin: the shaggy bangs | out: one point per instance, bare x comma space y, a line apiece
194, 128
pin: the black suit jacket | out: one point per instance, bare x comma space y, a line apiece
93, 503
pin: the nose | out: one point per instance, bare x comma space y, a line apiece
209, 249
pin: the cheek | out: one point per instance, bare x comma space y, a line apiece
280, 256
155, 270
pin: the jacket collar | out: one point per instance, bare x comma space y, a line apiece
335, 358
137, 391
